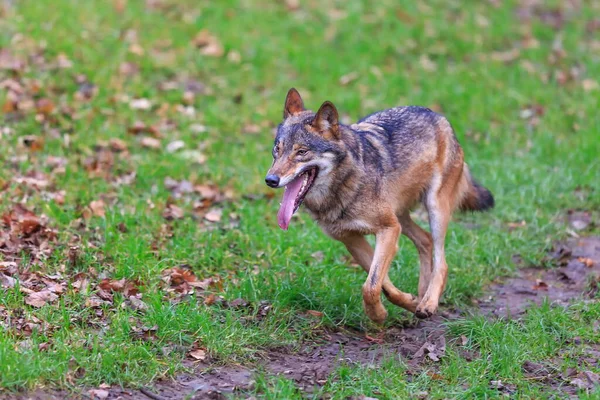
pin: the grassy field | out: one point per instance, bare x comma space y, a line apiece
138, 134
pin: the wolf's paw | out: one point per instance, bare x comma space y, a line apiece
376, 313
425, 310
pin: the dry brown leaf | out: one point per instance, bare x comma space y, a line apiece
210, 192
33, 143
117, 145
210, 299
128, 69
120, 5
506, 56
137, 304
540, 285
140, 127
150, 143
234, 57
314, 313
128, 288
588, 262
589, 85
292, 5
172, 212
348, 78
44, 106
140, 104
40, 299
427, 64
175, 146
97, 207
100, 394
7, 281
208, 44
198, 354
214, 215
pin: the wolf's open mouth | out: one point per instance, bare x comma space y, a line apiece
294, 194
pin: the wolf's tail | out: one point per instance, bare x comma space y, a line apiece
475, 197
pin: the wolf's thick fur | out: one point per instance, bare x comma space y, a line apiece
370, 175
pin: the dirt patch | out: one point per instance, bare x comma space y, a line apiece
577, 275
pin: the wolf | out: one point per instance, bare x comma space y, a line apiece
364, 179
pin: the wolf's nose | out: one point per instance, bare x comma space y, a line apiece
272, 180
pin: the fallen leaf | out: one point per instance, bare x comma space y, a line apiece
314, 313
540, 285
427, 64
589, 85
128, 69
378, 339
238, 303
178, 188
234, 57
175, 146
592, 378
434, 351
506, 56
292, 5
150, 143
140, 127
198, 354
40, 299
33, 143
127, 287
208, 44
7, 281
348, 78
44, 106
120, 5
117, 145
172, 212
98, 394
86, 90
464, 340
140, 104
214, 215
580, 383
137, 304
588, 262
210, 299
251, 128
500, 386
97, 207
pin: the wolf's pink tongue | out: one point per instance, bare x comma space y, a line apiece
286, 210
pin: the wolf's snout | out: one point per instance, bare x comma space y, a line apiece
272, 180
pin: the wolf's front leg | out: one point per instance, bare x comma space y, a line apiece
363, 253
385, 250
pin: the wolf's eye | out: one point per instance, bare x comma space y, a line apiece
302, 152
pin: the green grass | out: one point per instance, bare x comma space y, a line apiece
536, 170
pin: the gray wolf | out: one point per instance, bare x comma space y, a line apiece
364, 179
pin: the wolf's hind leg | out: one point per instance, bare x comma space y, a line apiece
363, 253
424, 244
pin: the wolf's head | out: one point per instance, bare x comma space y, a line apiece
307, 149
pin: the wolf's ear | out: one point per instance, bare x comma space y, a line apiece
293, 103
326, 121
